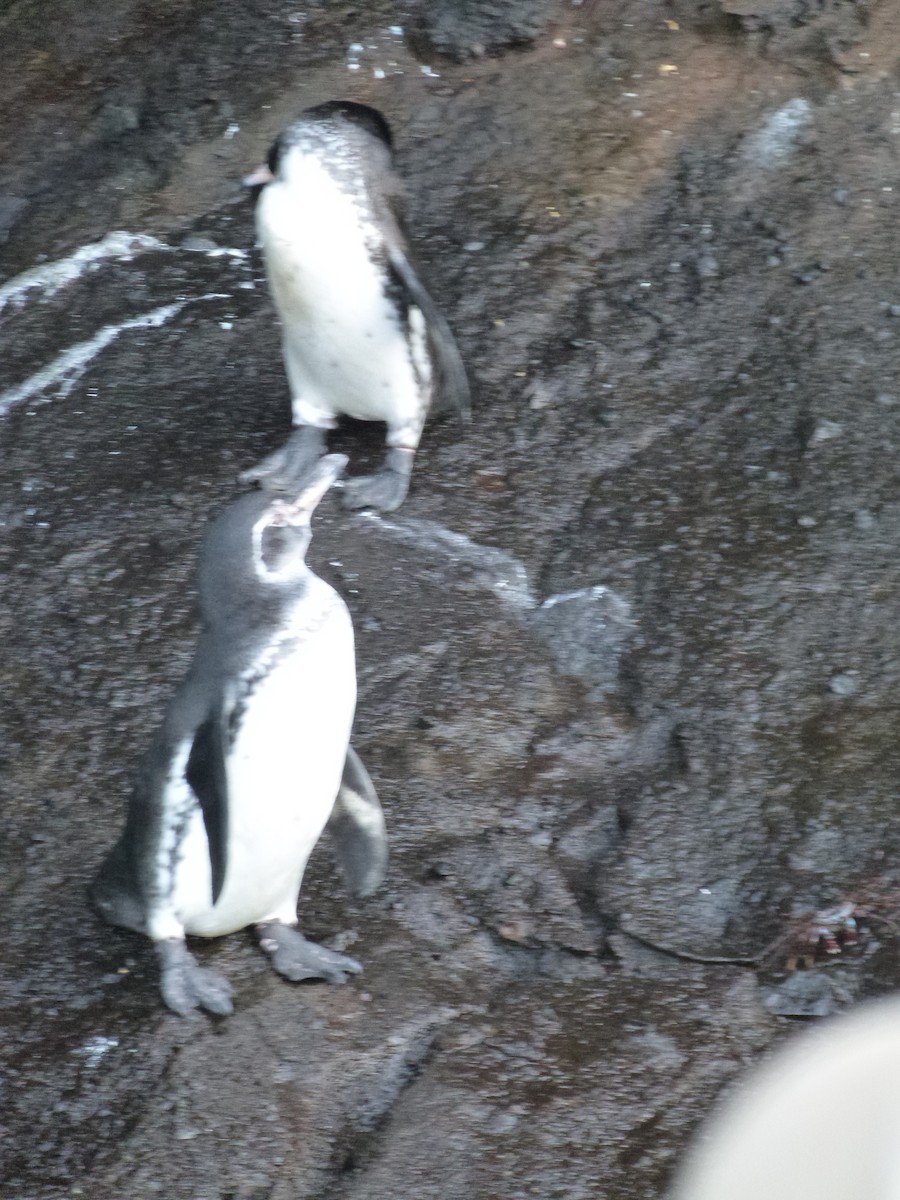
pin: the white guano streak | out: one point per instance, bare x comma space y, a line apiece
51, 277
67, 368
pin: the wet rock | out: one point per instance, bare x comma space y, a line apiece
11, 208
473, 567
522, 897
501, 1097
199, 244
842, 685
825, 431
117, 116
472, 28
799, 26
780, 136
587, 632
807, 994
647, 428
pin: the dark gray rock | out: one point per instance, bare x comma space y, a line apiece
11, 209
807, 994
461, 29
671, 758
587, 632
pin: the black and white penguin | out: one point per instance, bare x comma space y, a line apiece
362, 337
251, 762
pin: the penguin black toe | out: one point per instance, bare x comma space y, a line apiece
252, 760
361, 335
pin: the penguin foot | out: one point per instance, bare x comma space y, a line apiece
186, 985
295, 958
286, 468
387, 488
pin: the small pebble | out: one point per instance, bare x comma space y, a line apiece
842, 685
502, 1122
707, 266
824, 431
201, 245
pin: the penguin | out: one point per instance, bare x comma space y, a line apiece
361, 336
251, 762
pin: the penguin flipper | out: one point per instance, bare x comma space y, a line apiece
454, 382
115, 892
357, 827
206, 774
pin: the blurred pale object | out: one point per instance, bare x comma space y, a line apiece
819, 1121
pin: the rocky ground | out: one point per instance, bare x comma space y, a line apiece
628, 655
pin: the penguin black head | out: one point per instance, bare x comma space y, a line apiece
360, 116
363, 115
253, 557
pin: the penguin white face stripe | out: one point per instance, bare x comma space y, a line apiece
295, 567
259, 565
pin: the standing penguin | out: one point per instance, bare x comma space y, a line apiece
362, 337
251, 761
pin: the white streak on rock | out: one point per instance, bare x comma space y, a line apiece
68, 367
495, 569
95, 1049
52, 276
780, 135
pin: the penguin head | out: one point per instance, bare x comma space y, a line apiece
362, 116
347, 118
252, 563
281, 535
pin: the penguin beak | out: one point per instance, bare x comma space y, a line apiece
258, 178
325, 473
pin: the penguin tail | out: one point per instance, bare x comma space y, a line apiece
358, 830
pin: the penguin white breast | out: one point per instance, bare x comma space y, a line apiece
284, 769
346, 349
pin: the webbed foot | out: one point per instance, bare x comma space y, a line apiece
387, 488
295, 958
186, 985
285, 469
